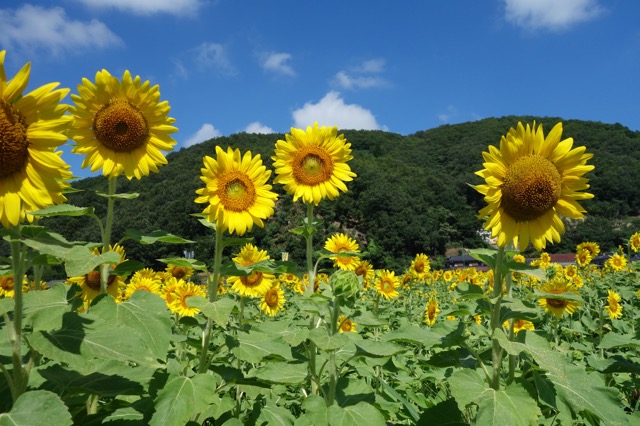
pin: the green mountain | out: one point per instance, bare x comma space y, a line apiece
411, 194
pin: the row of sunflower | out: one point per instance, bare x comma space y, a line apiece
348, 343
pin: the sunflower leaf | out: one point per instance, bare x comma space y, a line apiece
63, 210
184, 262
360, 414
128, 267
80, 260
219, 311
124, 196
181, 398
154, 237
49, 406
558, 296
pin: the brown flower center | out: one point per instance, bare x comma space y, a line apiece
93, 280
271, 298
531, 187
361, 270
419, 266
179, 272
387, 286
13, 140
347, 325
557, 303
236, 191
121, 126
6, 283
312, 165
252, 280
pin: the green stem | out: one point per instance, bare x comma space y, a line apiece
106, 234
309, 238
212, 292
20, 376
333, 372
496, 352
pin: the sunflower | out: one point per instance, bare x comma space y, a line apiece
616, 263
420, 266
634, 242
570, 271
168, 288
529, 182
182, 291
613, 308
236, 191
448, 275
519, 258
312, 165
273, 301
593, 248
557, 307
32, 173
141, 283
519, 325
583, 257
431, 311
257, 283
340, 243
345, 325
364, 269
7, 286
179, 272
387, 284
121, 126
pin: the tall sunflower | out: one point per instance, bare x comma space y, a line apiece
613, 308
312, 165
236, 191
420, 267
32, 173
558, 307
431, 311
121, 126
529, 182
273, 301
590, 246
340, 243
257, 283
387, 284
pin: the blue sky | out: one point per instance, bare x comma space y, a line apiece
264, 66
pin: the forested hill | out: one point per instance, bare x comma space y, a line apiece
411, 194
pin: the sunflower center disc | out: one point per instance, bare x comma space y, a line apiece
346, 325
252, 280
93, 280
531, 187
121, 127
419, 267
272, 299
6, 283
13, 140
236, 191
312, 165
178, 272
557, 303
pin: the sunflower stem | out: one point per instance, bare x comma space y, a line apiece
309, 238
496, 353
106, 235
20, 375
333, 373
212, 292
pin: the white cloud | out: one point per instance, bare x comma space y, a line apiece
332, 111
206, 132
550, 14
148, 7
257, 127
363, 76
180, 70
277, 62
214, 55
31, 28
449, 114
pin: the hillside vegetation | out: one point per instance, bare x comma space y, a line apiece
411, 194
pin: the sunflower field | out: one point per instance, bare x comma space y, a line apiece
325, 340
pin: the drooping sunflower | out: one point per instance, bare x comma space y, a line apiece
634, 242
312, 165
257, 283
236, 191
273, 301
529, 182
613, 308
182, 291
431, 311
593, 248
32, 173
340, 243
346, 325
387, 284
121, 126
558, 307
616, 263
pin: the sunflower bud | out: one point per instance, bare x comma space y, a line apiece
345, 284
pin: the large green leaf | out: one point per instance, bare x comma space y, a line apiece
274, 415
315, 412
281, 372
371, 347
36, 408
445, 413
290, 333
156, 236
219, 311
44, 309
361, 414
181, 398
79, 260
615, 340
184, 262
512, 406
255, 346
63, 210
104, 384
325, 342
